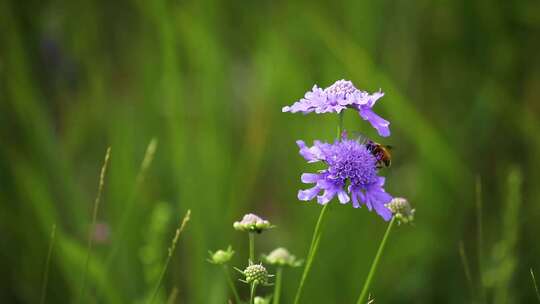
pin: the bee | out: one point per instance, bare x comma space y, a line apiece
381, 153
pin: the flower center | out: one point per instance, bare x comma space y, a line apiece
352, 161
341, 87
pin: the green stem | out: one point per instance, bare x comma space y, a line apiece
251, 247
252, 293
316, 233
231, 284
340, 125
311, 254
277, 288
375, 263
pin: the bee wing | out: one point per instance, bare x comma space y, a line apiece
360, 137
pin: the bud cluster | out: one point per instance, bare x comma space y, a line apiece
281, 257
221, 257
256, 274
252, 223
401, 209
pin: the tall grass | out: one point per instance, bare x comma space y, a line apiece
48, 263
466, 268
92, 230
208, 79
170, 253
535, 285
480, 240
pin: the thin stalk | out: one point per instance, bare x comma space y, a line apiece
231, 284
251, 247
94, 218
277, 288
252, 293
535, 286
170, 254
131, 202
466, 268
340, 125
311, 254
314, 246
48, 262
172, 296
364, 293
479, 239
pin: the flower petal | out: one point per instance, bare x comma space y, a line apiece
343, 197
308, 194
384, 212
380, 124
309, 154
376, 197
355, 195
327, 196
372, 99
310, 178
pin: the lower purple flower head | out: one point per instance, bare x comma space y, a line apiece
351, 174
339, 96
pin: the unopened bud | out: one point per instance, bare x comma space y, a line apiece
255, 274
252, 223
281, 257
401, 209
221, 257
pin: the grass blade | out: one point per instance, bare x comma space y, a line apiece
148, 158
466, 268
47, 264
479, 238
170, 254
94, 218
172, 296
535, 286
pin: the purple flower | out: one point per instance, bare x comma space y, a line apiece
339, 96
351, 174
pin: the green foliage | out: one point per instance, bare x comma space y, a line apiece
208, 79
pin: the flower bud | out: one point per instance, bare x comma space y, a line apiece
221, 257
256, 274
252, 223
261, 300
281, 257
401, 209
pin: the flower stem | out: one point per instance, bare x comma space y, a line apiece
231, 284
316, 233
340, 125
311, 254
251, 247
252, 293
277, 288
375, 263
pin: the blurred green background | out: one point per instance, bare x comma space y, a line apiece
207, 79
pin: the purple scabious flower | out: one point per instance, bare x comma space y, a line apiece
339, 96
352, 171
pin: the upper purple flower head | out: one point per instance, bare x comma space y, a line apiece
352, 171
339, 96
